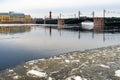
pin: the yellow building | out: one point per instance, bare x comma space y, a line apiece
27, 18
12, 17
4, 17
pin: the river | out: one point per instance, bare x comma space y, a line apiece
21, 43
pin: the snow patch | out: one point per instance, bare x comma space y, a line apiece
117, 73
35, 73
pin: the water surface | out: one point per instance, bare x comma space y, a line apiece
19, 44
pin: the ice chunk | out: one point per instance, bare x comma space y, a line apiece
75, 61
49, 78
104, 66
75, 78
11, 70
67, 61
16, 77
70, 78
41, 59
118, 48
78, 78
117, 73
35, 73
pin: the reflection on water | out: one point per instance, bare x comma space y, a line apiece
14, 29
50, 31
41, 42
106, 30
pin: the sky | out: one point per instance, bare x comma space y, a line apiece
68, 8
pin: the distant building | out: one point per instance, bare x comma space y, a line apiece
13, 17
39, 20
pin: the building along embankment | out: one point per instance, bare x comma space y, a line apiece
15, 18
96, 64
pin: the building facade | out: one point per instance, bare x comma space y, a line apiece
13, 17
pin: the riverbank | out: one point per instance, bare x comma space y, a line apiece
96, 64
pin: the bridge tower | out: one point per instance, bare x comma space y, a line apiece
98, 24
50, 15
61, 21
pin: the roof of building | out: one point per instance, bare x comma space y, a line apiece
3, 13
13, 14
16, 14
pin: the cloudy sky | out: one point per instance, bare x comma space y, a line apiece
68, 8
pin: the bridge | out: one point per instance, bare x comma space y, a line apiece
65, 21
107, 21
98, 21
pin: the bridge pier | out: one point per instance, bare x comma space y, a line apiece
44, 21
61, 22
99, 24
99, 21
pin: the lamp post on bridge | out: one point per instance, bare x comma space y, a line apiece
93, 14
79, 14
44, 19
104, 13
104, 16
60, 15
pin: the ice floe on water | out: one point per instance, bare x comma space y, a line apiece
36, 73
49, 78
11, 70
67, 61
104, 66
96, 64
75, 78
72, 61
117, 73
79, 78
16, 77
75, 61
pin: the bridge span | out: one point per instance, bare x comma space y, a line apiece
99, 22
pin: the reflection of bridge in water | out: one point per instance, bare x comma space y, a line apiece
14, 29
106, 34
